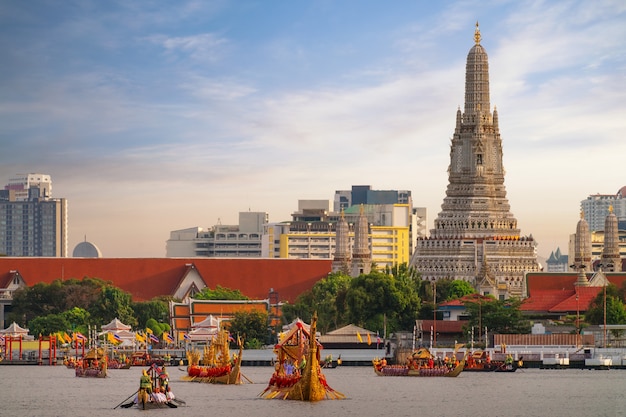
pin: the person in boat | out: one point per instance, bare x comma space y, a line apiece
339, 360
164, 378
159, 397
145, 382
169, 395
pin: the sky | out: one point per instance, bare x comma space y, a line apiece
154, 116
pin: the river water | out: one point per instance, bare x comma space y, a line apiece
55, 391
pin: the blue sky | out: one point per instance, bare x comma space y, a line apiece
153, 116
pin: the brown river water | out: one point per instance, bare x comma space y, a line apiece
55, 391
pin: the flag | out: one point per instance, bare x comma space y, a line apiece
167, 338
230, 338
369, 339
358, 336
67, 337
141, 338
1, 339
153, 338
117, 338
149, 330
186, 336
377, 339
110, 338
79, 336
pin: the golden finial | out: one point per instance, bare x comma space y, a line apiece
611, 209
477, 34
582, 214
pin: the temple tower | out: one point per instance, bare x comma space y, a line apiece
342, 261
611, 261
476, 237
361, 254
582, 245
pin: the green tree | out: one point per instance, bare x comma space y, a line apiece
47, 325
154, 309
375, 298
302, 308
615, 310
219, 293
252, 326
498, 316
459, 288
76, 318
113, 302
155, 326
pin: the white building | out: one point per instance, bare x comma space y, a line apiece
241, 240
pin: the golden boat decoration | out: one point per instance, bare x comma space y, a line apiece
215, 365
298, 375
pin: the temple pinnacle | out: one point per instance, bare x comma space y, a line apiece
477, 36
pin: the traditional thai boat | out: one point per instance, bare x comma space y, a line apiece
94, 364
298, 375
216, 365
421, 363
153, 380
480, 361
117, 364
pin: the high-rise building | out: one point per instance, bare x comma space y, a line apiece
476, 237
596, 206
32, 223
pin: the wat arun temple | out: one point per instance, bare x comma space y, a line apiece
476, 237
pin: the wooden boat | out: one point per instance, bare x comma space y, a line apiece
216, 366
94, 364
115, 364
145, 398
421, 363
298, 375
480, 361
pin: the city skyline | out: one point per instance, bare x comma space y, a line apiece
158, 117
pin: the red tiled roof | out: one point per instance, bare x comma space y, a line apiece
544, 300
146, 278
585, 296
556, 292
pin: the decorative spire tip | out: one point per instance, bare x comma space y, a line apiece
477, 36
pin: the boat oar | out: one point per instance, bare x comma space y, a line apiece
179, 402
247, 379
126, 399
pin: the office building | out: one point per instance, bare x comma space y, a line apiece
32, 223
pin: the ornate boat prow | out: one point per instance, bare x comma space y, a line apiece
306, 384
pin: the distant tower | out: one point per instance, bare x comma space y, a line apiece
582, 245
476, 237
611, 261
361, 254
341, 261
